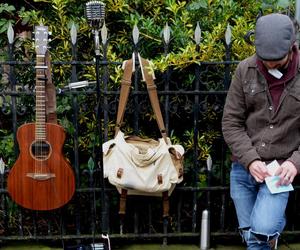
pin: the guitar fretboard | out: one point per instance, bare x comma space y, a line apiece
40, 102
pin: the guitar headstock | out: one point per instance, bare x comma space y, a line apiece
41, 39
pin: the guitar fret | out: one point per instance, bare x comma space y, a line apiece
40, 103
41, 67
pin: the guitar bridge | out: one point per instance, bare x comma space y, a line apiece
40, 176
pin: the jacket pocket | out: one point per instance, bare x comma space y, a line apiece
255, 94
296, 95
291, 104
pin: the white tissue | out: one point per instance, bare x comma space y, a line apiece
276, 73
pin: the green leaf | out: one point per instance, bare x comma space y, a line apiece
7, 8
269, 2
283, 3
3, 29
25, 20
197, 5
3, 21
10, 9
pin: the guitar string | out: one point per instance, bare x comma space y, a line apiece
40, 110
44, 148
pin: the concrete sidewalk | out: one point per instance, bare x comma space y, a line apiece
24, 246
194, 247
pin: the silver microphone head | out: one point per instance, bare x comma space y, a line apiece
95, 13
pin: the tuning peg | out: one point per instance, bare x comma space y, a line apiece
49, 36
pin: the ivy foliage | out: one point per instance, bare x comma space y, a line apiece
153, 19
150, 17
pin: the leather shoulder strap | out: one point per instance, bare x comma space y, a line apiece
124, 92
151, 88
50, 93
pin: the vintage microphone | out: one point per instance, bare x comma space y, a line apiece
95, 14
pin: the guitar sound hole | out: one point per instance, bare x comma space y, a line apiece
40, 150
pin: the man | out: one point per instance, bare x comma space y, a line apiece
261, 123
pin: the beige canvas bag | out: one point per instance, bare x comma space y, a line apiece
138, 166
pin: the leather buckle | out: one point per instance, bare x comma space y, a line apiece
120, 173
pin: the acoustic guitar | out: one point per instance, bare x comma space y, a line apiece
41, 178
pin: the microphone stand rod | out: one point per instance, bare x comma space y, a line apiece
99, 160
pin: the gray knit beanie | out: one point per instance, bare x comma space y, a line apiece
274, 36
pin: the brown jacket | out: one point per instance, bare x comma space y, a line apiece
252, 128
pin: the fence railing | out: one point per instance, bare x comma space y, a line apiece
194, 107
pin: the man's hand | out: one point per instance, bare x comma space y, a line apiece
286, 172
258, 170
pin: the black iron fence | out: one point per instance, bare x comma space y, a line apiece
191, 100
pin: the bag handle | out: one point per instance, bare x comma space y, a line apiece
152, 92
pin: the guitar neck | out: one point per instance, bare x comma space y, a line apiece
40, 103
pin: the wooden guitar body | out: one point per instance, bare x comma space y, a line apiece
41, 178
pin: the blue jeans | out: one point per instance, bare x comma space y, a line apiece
261, 215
